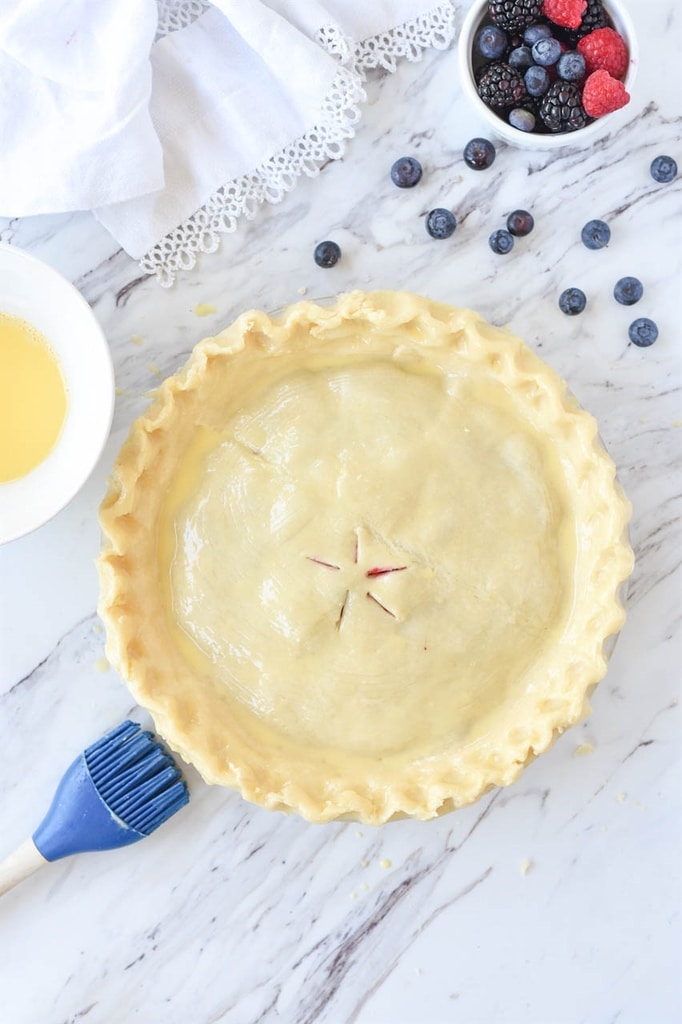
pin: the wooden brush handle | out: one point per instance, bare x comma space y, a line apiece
19, 865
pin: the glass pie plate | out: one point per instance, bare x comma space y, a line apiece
361, 558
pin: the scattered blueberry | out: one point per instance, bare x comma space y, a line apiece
628, 291
501, 242
537, 80
491, 42
535, 32
522, 119
520, 223
572, 301
546, 52
596, 234
327, 254
441, 223
663, 169
406, 172
571, 66
643, 332
520, 58
479, 154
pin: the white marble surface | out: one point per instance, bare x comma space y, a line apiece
233, 914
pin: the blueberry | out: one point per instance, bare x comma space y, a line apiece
535, 32
522, 119
663, 169
643, 332
520, 58
327, 254
491, 42
501, 242
479, 154
537, 81
572, 301
406, 172
628, 291
596, 234
571, 66
520, 223
441, 223
546, 52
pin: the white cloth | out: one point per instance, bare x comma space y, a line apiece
226, 95
75, 127
170, 143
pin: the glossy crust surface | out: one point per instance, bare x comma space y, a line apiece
362, 559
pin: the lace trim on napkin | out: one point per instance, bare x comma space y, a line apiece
270, 182
177, 14
435, 29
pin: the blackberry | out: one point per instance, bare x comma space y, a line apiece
594, 17
500, 86
529, 103
561, 109
514, 15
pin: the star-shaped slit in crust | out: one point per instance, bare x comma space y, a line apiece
372, 573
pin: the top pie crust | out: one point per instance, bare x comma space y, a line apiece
362, 559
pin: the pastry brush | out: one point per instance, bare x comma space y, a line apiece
118, 791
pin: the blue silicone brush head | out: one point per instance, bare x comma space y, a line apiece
118, 791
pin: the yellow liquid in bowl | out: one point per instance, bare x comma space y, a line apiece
33, 399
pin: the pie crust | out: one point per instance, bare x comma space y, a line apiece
361, 559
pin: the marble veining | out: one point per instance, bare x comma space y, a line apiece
556, 901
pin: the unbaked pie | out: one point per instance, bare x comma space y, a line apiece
362, 559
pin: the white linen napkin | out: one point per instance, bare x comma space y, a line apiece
75, 127
226, 96
170, 142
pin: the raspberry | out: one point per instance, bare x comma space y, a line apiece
603, 94
567, 13
605, 50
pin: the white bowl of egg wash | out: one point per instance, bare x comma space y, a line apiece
56, 392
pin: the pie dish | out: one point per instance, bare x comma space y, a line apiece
361, 560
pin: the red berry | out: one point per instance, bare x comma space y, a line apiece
605, 50
567, 13
603, 94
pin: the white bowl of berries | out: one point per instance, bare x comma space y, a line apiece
549, 73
